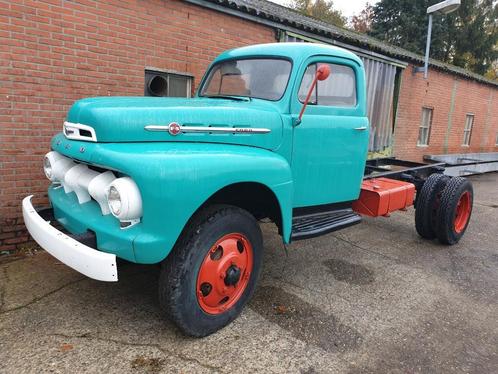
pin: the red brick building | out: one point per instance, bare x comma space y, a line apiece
54, 52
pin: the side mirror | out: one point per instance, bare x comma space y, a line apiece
322, 73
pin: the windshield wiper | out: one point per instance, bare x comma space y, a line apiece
238, 98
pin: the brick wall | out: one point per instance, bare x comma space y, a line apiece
54, 52
448, 120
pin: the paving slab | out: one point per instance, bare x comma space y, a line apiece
371, 298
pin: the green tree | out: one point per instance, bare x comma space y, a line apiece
476, 35
404, 23
320, 9
492, 72
466, 38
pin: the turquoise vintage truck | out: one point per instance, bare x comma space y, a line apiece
274, 131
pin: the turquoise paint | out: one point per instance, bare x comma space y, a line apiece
175, 179
123, 119
77, 218
318, 162
329, 154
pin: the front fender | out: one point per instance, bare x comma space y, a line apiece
175, 179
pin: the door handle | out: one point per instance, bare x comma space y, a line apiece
363, 128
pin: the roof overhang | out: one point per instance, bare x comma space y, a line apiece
318, 30
280, 25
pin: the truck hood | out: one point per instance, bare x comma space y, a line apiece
123, 119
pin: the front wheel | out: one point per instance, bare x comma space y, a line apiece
212, 271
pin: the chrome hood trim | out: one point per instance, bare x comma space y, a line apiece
175, 129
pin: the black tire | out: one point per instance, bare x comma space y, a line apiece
427, 205
180, 271
447, 228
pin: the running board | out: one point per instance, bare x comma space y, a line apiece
311, 225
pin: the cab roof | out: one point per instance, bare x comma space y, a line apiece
297, 52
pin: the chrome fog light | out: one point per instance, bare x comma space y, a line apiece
124, 200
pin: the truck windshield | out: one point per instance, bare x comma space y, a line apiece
258, 78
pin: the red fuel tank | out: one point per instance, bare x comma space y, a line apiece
381, 196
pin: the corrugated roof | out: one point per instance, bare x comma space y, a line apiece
274, 13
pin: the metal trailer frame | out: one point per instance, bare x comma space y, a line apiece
407, 171
464, 164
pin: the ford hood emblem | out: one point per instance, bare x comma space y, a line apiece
174, 128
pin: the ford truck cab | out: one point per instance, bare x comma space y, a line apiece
275, 131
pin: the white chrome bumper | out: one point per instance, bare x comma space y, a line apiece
88, 261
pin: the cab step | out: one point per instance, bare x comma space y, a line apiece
311, 225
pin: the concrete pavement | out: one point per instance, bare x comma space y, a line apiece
371, 298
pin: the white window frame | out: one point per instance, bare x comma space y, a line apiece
467, 129
424, 125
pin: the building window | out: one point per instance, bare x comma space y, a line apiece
496, 142
467, 130
424, 131
339, 91
165, 83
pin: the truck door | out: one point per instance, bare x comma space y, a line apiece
330, 144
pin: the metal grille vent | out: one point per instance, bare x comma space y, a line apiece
78, 131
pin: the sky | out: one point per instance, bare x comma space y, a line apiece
347, 7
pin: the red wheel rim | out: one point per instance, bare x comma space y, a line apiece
462, 214
224, 273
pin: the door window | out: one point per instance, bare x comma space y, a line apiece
338, 90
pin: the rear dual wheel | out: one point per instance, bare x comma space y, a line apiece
428, 200
454, 211
444, 207
212, 271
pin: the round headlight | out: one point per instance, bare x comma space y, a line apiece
114, 201
47, 167
55, 166
124, 200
